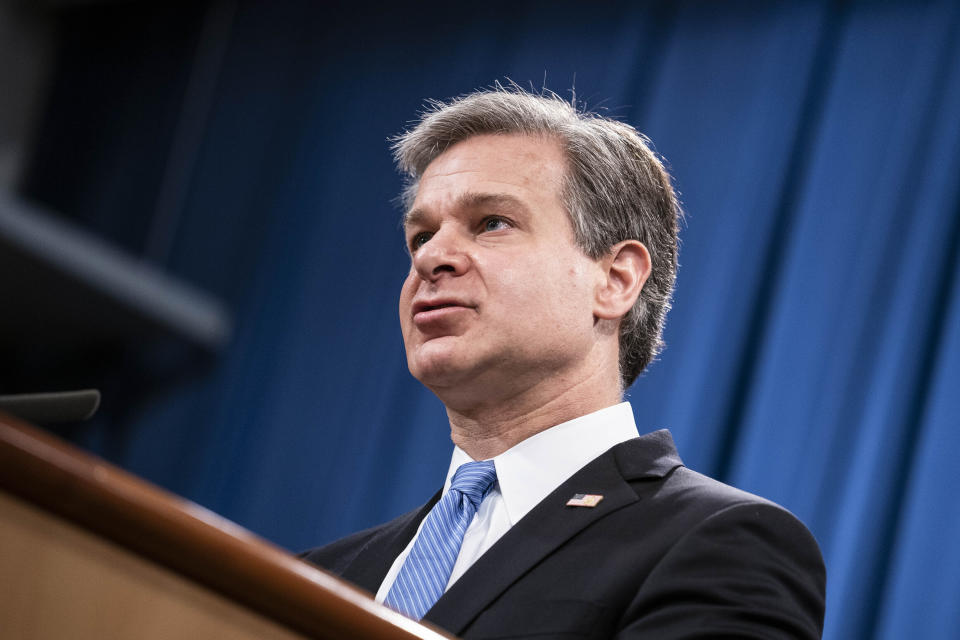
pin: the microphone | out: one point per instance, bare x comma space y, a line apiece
47, 408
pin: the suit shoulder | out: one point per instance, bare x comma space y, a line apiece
692, 501
652, 466
715, 508
719, 539
336, 556
688, 487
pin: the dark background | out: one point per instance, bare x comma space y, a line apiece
241, 148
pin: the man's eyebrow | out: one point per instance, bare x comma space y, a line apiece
414, 217
470, 200
477, 200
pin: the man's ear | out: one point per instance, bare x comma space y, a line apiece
625, 269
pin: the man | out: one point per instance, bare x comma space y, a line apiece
543, 246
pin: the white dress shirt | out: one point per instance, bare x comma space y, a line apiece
526, 474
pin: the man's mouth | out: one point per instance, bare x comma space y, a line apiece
432, 305
430, 310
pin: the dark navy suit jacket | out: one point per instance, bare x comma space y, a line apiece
668, 553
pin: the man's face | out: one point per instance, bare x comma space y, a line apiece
498, 297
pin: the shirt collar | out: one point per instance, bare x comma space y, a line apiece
530, 470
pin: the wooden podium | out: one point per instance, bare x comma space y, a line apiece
90, 551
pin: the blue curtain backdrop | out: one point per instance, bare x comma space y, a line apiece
814, 347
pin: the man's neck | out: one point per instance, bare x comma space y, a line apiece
487, 429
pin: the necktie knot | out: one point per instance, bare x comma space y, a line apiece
474, 480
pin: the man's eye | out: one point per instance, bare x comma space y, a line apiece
495, 224
419, 239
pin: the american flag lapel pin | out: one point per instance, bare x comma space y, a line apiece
584, 500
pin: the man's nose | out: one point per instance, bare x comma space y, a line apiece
443, 253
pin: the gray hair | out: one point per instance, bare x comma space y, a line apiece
615, 189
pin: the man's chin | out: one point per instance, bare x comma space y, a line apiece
438, 368
440, 375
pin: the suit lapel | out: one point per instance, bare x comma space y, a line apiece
372, 563
551, 523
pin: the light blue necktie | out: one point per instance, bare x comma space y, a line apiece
426, 571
